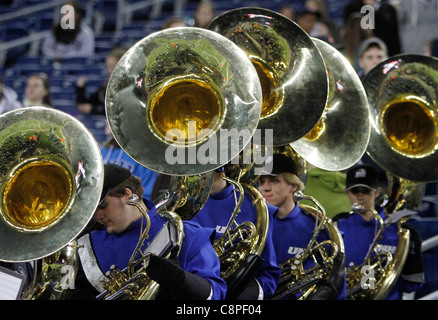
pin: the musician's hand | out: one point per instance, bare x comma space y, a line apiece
166, 272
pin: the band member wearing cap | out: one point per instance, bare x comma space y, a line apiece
194, 274
293, 226
359, 230
217, 212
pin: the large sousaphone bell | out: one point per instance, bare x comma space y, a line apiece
402, 93
289, 65
185, 92
51, 176
177, 98
341, 136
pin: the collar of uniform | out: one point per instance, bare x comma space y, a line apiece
293, 214
149, 204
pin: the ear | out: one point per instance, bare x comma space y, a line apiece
293, 188
378, 191
128, 192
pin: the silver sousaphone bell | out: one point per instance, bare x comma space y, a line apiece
51, 176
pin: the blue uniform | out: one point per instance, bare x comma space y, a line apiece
292, 235
359, 234
195, 256
216, 214
118, 156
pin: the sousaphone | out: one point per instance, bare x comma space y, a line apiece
178, 96
402, 94
183, 102
51, 176
290, 68
340, 138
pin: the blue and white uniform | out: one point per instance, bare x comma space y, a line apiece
103, 250
216, 214
292, 235
358, 236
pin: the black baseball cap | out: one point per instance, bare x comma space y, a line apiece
112, 177
281, 164
362, 176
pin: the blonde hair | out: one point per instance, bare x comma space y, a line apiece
293, 179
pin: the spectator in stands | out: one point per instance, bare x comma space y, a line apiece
8, 98
95, 103
66, 40
371, 52
113, 153
288, 11
173, 22
205, 12
325, 28
385, 22
37, 92
307, 20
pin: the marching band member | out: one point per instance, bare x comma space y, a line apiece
358, 230
194, 274
293, 228
216, 214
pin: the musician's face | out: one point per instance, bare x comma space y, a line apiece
113, 214
364, 197
276, 190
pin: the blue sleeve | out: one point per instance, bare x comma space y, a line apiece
198, 256
269, 273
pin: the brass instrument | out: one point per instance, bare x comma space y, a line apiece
186, 195
184, 199
402, 95
240, 247
51, 179
184, 90
288, 64
295, 279
340, 138
57, 275
382, 265
133, 283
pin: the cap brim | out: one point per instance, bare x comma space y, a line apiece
360, 185
104, 195
268, 173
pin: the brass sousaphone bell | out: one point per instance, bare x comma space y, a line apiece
183, 93
290, 68
51, 178
402, 94
340, 138
178, 95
